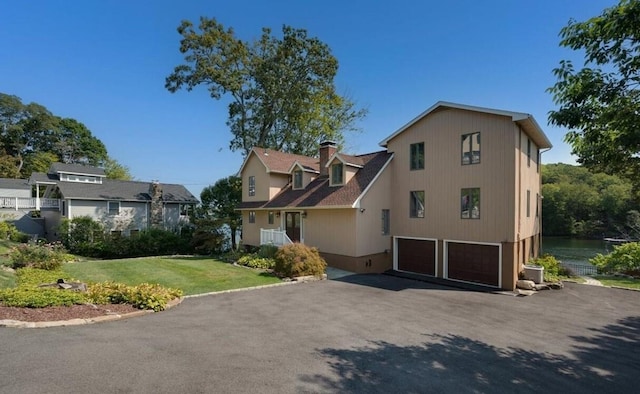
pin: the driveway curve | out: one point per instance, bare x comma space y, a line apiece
360, 333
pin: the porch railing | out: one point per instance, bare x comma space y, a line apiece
28, 203
274, 237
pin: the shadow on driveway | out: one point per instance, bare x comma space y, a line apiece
605, 362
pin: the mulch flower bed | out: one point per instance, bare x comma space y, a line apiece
57, 313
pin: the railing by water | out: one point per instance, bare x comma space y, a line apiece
274, 237
581, 269
28, 203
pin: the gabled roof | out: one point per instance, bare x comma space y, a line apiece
318, 193
77, 169
526, 121
353, 161
302, 167
280, 162
11, 183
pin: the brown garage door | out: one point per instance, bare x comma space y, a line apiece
416, 255
473, 263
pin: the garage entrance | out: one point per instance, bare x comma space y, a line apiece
473, 262
415, 255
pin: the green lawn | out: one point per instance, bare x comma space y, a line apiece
619, 281
193, 275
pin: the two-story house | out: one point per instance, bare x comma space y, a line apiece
455, 195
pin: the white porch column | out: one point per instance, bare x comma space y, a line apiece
37, 197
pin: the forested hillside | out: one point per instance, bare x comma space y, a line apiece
579, 203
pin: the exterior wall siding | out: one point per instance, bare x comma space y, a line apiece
444, 176
368, 235
331, 230
255, 168
133, 215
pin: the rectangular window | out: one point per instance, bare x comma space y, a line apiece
385, 222
528, 152
471, 148
252, 216
252, 186
113, 207
336, 174
416, 204
528, 203
297, 179
184, 209
134, 233
417, 156
538, 156
116, 233
470, 203
271, 217
537, 205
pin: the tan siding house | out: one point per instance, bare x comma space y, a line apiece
455, 196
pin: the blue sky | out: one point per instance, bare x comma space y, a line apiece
104, 64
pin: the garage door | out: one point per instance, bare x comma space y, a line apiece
474, 263
416, 255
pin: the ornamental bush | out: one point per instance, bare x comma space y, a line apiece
46, 256
624, 259
142, 296
298, 260
255, 261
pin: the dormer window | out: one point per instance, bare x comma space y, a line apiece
297, 179
337, 174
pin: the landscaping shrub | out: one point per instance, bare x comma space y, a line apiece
255, 261
624, 259
81, 235
268, 251
33, 297
10, 232
299, 260
27, 294
46, 256
142, 296
86, 237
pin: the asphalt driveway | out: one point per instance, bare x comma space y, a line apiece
362, 333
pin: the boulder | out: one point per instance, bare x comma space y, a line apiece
526, 284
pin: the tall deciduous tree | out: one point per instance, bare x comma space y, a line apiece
219, 202
31, 138
600, 103
282, 90
115, 170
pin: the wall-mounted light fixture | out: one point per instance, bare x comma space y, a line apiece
304, 214
277, 214
362, 210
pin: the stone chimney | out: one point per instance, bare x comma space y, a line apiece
156, 212
327, 149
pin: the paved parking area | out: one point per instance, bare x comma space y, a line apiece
360, 333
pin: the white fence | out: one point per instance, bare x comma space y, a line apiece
28, 203
274, 237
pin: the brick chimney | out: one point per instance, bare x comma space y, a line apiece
156, 217
327, 149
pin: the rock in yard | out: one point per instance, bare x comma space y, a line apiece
526, 284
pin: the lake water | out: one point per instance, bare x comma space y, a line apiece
577, 251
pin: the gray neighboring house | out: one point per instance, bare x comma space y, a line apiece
124, 207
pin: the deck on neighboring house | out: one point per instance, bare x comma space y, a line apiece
28, 203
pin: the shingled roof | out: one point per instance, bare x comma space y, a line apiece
318, 193
281, 162
123, 191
